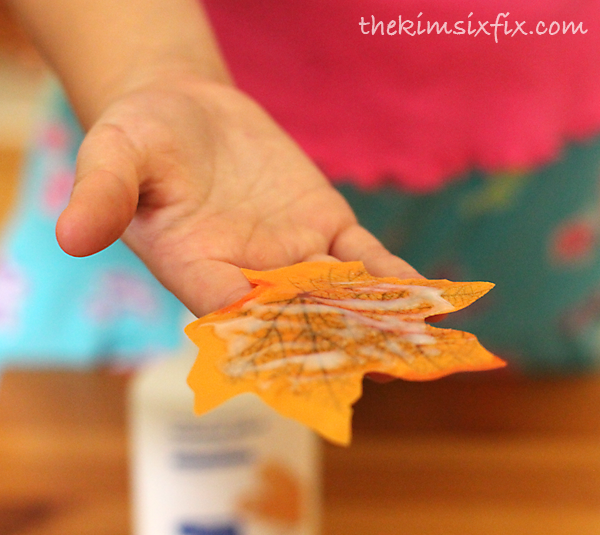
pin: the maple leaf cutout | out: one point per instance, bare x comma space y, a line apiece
306, 335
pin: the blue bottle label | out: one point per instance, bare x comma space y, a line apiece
198, 529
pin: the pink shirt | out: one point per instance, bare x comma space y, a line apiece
418, 110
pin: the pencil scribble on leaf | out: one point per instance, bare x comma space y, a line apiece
306, 335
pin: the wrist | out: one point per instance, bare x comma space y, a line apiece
110, 47
167, 75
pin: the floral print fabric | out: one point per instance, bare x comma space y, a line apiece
56, 309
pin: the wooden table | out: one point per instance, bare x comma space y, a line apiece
479, 454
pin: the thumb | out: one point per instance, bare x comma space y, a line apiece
105, 195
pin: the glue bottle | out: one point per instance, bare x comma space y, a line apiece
241, 469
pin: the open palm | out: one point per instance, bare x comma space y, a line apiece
199, 181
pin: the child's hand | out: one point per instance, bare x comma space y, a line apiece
195, 176
200, 181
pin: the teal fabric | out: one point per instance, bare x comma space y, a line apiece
60, 310
534, 234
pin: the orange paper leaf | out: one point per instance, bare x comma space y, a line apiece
306, 335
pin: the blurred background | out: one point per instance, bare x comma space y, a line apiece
484, 454
21, 74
